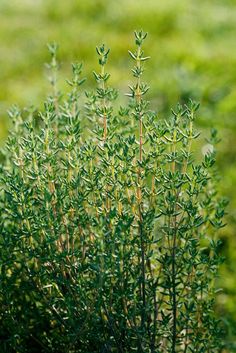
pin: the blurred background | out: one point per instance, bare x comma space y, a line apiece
193, 54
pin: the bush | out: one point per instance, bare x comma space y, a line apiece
108, 224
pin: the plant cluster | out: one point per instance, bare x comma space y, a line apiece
108, 224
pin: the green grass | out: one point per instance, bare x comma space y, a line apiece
193, 54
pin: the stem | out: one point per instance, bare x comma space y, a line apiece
104, 103
139, 191
174, 150
185, 166
173, 255
141, 221
174, 305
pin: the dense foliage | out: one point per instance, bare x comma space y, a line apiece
193, 55
108, 224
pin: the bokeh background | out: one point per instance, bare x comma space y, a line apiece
192, 44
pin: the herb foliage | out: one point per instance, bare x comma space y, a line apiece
108, 224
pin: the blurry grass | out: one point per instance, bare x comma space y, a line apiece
192, 46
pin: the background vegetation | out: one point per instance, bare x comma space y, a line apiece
192, 46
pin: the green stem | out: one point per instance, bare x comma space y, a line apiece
173, 263
139, 193
174, 303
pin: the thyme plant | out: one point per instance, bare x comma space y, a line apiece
108, 224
